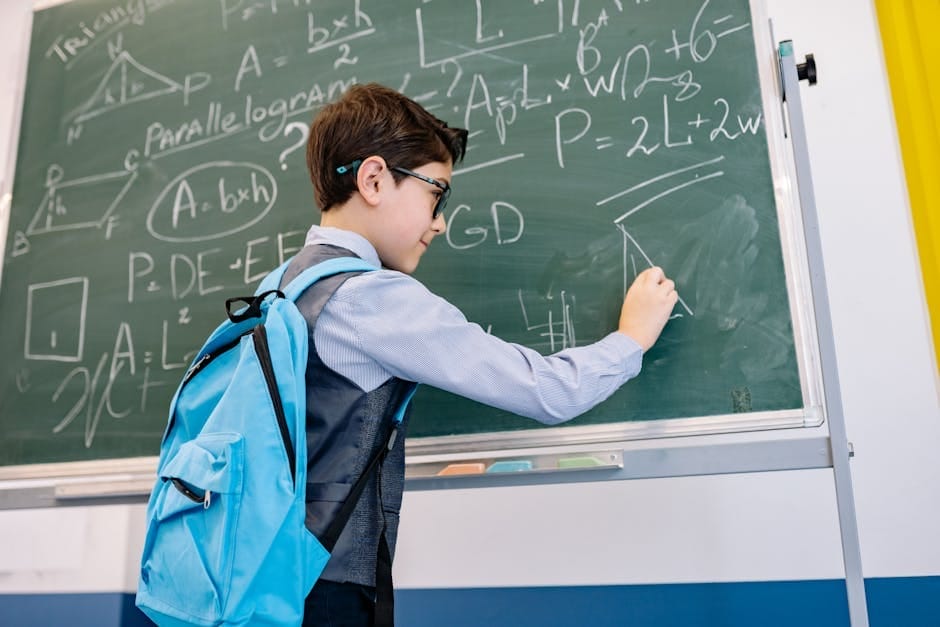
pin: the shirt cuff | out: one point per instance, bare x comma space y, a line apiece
631, 353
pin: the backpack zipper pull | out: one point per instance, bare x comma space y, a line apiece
392, 438
207, 500
196, 367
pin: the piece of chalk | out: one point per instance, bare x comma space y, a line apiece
470, 468
518, 465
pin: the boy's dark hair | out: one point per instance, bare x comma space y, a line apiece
374, 120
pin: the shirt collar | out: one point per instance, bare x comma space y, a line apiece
345, 239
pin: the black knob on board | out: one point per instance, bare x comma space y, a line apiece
807, 71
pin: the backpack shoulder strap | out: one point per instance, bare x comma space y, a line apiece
273, 280
400, 414
311, 275
331, 536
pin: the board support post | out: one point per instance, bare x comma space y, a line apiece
841, 449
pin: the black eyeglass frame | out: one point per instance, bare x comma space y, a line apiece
444, 187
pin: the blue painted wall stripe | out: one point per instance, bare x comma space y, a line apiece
892, 602
776, 604
74, 610
904, 601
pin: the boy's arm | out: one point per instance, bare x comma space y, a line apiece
383, 324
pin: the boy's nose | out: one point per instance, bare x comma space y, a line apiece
439, 224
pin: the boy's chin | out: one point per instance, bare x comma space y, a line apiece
407, 267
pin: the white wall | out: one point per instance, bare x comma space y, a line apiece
69, 549
882, 337
764, 526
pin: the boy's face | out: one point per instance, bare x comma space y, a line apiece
405, 222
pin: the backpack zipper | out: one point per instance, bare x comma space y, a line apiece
185, 490
260, 337
206, 359
203, 361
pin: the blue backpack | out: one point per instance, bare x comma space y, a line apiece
226, 542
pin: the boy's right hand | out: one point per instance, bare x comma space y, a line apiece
647, 306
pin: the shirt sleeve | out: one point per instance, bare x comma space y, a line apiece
386, 323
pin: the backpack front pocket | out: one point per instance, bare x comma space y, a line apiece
197, 507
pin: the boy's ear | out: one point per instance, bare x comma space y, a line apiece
370, 178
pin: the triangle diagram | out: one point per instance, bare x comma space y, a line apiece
125, 82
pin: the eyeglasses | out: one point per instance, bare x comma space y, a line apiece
444, 187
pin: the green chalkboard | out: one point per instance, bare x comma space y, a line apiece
160, 170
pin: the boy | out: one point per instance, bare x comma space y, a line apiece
381, 167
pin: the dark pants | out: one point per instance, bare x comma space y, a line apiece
332, 604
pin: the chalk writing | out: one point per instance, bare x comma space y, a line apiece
212, 200
127, 82
80, 37
53, 332
162, 170
505, 221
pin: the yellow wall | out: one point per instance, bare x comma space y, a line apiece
912, 52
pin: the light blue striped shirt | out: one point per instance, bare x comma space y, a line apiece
385, 323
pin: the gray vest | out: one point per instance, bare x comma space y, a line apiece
345, 426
